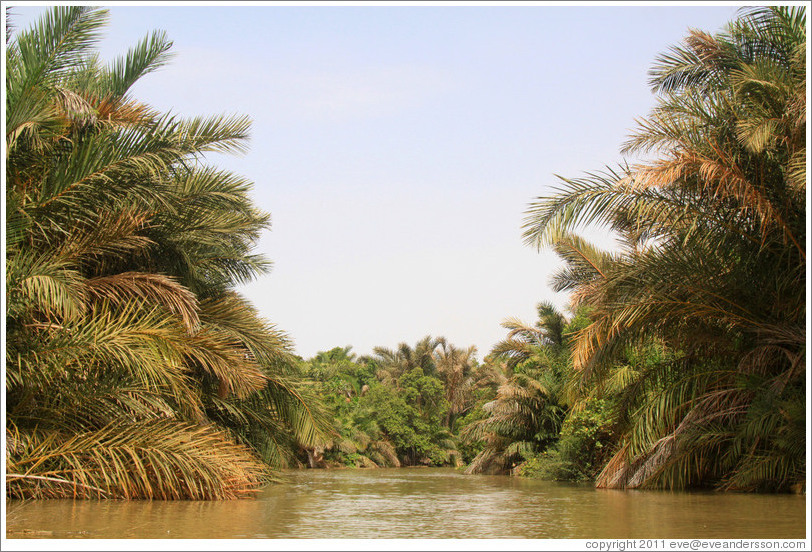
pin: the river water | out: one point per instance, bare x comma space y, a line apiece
421, 503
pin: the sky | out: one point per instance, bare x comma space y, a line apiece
398, 147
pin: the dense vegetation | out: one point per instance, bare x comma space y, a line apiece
711, 269
684, 364
396, 408
134, 368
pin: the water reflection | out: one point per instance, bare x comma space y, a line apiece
421, 503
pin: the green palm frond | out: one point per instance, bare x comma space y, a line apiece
149, 55
45, 284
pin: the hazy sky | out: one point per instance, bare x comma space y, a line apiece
397, 147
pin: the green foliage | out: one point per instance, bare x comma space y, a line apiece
469, 448
525, 416
580, 320
394, 408
549, 466
426, 394
396, 417
134, 368
711, 269
584, 445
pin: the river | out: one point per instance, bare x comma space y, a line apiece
420, 503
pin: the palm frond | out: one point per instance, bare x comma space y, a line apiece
153, 460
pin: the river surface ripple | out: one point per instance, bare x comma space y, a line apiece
421, 503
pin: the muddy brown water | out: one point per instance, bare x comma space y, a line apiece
420, 503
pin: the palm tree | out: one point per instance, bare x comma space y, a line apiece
526, 415
456, 369
712, 264
129, 355
393, 364
523, 419
523, 341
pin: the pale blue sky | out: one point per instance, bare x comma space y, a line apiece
398, 147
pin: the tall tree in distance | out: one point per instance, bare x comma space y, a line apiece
394, 363
456, 369
526, 414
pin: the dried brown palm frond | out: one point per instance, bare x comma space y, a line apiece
123, 287
217, 354
383, 453
151, 460
98, 239
235, 317
722, 180
146, 345
119, 111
